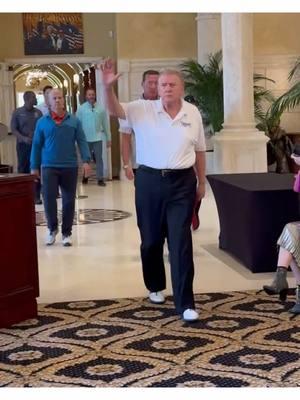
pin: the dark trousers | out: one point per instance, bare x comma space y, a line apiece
96, 149
164, 206
66, 179
23, 155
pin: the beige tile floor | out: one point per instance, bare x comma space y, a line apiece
104, 260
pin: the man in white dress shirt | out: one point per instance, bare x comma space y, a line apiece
149, 85
44, 107
169, 142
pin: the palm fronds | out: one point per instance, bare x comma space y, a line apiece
288, 100
294, 70
205, 84
291, 98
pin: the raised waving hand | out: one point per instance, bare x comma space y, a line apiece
109, 75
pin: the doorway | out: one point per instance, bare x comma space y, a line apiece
73, 75
72, 78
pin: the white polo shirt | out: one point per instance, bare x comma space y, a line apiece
163, 142
125, 129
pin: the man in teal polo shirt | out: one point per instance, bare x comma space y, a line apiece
96, 128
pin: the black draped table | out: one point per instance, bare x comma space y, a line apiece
253, 209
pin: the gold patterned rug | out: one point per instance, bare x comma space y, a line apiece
242, 339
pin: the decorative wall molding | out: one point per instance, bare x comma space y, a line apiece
54, 60
275, 66
141, 65
206, 16
6, 94
129, 85
275, 60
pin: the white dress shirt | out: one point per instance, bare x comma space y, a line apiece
43, 108
125, 129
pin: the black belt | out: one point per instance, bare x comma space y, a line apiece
165, 172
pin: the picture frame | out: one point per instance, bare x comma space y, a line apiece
53, 33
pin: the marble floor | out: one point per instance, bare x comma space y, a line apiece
104, 261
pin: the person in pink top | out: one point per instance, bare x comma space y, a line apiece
289, 256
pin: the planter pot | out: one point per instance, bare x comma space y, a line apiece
209, 140
209, 156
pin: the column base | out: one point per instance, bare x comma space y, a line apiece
240, 152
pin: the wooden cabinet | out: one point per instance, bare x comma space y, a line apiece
19, 285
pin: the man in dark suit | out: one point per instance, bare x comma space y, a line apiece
62, 45
50, 40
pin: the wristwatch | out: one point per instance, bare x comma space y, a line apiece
125, 166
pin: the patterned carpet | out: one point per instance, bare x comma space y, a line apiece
86, 216
242, 339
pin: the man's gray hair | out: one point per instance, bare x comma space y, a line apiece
171, 71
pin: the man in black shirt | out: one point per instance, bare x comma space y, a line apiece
23, 124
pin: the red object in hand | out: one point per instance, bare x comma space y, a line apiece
296, 187
195, 218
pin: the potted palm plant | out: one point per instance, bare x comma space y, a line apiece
205, 84
291, 98
280, 146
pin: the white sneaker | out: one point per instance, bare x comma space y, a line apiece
157, 297
190, 315
50, 238
67, 241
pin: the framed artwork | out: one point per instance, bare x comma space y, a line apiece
57, 33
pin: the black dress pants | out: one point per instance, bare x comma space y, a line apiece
164, 206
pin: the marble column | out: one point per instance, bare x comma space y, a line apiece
6, 94
124, 89
7, 101
209, 37
239, 147
209, 41
106, 152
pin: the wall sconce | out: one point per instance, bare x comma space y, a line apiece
65, 84
76, 79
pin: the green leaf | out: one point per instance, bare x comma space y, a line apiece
205, 84
287, 101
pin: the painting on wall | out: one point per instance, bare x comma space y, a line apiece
57, 33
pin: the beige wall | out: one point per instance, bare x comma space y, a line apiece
156, 35
97, 40
159, 35
139, 36
97, 28
276, 34
11, 44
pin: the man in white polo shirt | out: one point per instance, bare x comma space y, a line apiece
169, 142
